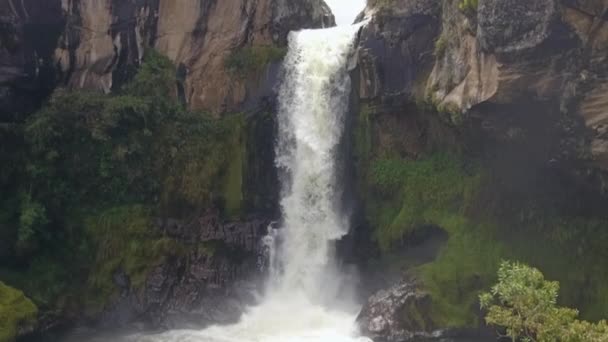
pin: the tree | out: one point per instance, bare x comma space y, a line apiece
525, 304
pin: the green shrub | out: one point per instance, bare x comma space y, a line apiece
91, 172
468, 6
253, 59
17, 313
525, 304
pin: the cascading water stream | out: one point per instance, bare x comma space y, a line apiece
301, 303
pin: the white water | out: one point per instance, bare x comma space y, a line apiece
307, 297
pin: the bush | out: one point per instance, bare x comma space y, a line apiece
468, 6
92, 170
525, 304
253, 59
17, 313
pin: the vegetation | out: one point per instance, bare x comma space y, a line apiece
253, 59
468, 6
17, 312
525, 304
485, 222
441, 45
88, 172
420, 192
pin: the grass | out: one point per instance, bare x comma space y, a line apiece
442, 190
468, 6
17, 312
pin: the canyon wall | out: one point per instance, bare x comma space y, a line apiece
480, 136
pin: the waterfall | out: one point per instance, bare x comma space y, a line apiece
302, 299
313, 101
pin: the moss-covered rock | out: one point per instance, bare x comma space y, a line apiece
126, 240
414, 180
440, 191
96, 174
18, 313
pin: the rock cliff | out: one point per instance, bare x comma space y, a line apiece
498, 110
99, 44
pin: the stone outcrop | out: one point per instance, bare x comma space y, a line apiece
98, 44
519, 85
209, 281
502, 53
402, 313
387, 315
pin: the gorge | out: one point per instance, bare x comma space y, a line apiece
246, 170
306, 298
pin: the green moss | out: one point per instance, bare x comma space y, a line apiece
441, 45
125, 239
233, 178
17, 312
363, 134
465, 266
468, 6
443, 190
92, 172
424, 190
253, 59
208, 166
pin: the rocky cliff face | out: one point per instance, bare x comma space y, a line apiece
515, 91
99, 44
499, 54
208, 282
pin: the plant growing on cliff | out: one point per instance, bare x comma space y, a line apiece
253, 59
17, 312
89, 172
468, 6
441, 45
525, 304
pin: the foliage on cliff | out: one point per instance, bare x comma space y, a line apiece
17, 312
488, 210
86, 174
253, 59
525, 304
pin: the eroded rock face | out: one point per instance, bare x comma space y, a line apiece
98, 44
395, 49
520, 85
28, 34
201, 35
209, 282
547, 53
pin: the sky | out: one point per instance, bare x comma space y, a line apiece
346, 11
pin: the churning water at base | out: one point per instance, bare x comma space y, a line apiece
305, 299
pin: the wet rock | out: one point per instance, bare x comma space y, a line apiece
210, 281
400, 313
395, 49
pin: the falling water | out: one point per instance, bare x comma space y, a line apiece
313, 102
303, 300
